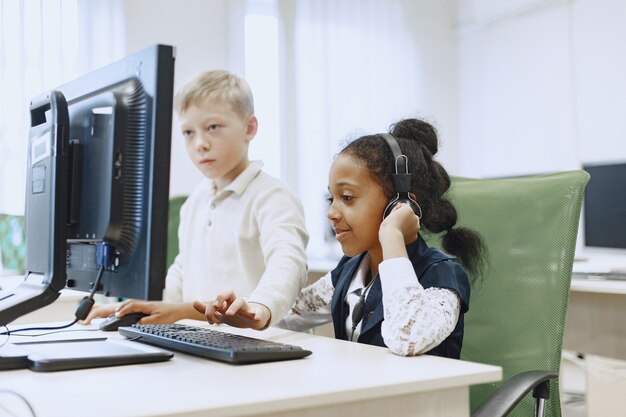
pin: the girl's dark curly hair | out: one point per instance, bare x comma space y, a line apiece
430, 181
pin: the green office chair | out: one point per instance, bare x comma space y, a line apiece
12, 243
172, 228
517, 310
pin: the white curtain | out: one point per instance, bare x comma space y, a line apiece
355, 66
43, 44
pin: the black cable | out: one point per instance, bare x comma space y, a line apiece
86, 303
81, 311
21, 397
357, 311
104, 260
7, 333
10, 332
58, 331
97, 283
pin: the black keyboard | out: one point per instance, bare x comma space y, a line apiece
212, 344
620, 276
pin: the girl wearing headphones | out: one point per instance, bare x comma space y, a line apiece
390, 289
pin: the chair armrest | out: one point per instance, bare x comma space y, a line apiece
502, 401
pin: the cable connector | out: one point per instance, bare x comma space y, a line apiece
84, 308
104, 252
104, 260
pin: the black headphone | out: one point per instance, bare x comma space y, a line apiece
401, 178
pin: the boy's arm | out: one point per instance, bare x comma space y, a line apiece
283, 239
234, 311
312, 308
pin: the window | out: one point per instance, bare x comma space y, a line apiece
37, 40
42, 45
262, 73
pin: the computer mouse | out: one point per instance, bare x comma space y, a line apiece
113, 322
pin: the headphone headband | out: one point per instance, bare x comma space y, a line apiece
401, 178
399, 158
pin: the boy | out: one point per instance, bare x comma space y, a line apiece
241, 230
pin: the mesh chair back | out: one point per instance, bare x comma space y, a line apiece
172, 228
518, 307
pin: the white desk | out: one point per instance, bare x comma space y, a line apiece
62, 309
338, 379
596, 318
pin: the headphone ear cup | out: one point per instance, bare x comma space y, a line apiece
415, 207
399, 200
390, 207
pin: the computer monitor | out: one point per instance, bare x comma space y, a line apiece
98, 176
604, 207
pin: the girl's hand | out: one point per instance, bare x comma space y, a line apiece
398, 229
234, 311
401, 219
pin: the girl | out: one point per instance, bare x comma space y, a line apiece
390, 289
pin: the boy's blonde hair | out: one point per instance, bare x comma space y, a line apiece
216, 85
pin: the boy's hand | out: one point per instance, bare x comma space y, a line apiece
158, 311
235, 311
100, 311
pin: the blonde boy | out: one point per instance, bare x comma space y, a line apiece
241, 232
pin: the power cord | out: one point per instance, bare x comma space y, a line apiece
104, 260
5, 341
53, 332
10, 332
87, 303
21, 397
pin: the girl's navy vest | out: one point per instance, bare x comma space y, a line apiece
433, 269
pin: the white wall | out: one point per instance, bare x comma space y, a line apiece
433, 25
208, 34
542, 85
356, 68
200, 31
515, 87
599, 62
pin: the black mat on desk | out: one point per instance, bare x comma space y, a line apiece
63, 355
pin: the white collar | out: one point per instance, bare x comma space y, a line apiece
359, 277
241, 182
